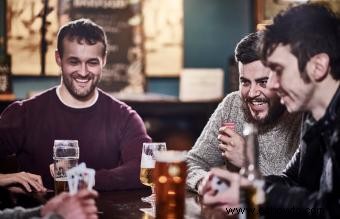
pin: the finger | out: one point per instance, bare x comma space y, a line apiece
222, 147
205, 184
88, 202
210, 199
35, 177
24, 184
26, 177
37, 181
225, 174
94, 216
52, 170
225, 139
227, 131
91, 209
84, 194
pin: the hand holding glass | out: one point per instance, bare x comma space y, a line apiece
147, 165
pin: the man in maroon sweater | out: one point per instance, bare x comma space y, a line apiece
109, 132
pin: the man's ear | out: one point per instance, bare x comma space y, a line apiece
57, 57
319, 66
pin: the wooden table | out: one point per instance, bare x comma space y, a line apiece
127, 204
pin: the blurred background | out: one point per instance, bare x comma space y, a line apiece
171, 60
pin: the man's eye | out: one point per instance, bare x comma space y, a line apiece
263, 83
245, 83
93, 63
73, 62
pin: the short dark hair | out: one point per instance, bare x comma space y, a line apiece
246, 50
81, 30
308, 29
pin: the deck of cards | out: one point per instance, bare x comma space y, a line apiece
80, 177
229, 125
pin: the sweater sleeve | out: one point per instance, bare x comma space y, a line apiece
205, 154
20, 213
11, 129
126, 175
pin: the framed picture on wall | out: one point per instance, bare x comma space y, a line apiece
163, 31
266, 10
24, 23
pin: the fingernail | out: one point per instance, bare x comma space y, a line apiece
219, 137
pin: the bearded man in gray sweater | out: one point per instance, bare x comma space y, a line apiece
221, 145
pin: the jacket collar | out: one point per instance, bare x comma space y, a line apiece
313, 128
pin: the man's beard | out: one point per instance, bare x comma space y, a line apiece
68, 81
275, 110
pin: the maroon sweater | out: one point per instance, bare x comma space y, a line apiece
110, 136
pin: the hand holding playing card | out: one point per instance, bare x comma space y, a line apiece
79, 178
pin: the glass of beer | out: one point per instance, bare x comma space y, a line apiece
170, 178
147, 166
65, 156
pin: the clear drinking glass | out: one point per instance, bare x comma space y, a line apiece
65, 156
147, 166
170, 177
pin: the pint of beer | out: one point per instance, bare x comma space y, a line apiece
170, 177
65, 156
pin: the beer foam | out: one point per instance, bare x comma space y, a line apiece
170, 156
147, 161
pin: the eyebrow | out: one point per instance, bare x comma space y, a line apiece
261, 79
273, 65
256, 80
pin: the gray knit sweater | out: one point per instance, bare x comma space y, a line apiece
277, 141
29, 213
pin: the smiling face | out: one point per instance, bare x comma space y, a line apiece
261, 103
285, 80
81, 65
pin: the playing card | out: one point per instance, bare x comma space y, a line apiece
230, 125
72, 180
81, 178
88, 178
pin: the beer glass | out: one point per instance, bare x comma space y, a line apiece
147, 166
65, 156
170, 177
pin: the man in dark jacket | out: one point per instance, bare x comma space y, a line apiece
302, 47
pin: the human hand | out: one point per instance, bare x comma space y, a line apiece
81, 205
51, 166
205, 184
232, 145
230, 197
27, 180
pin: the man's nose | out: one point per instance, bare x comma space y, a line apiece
273, 83
83, 70
254, 90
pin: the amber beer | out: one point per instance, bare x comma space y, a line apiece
146, 176
170, 176
60, 185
